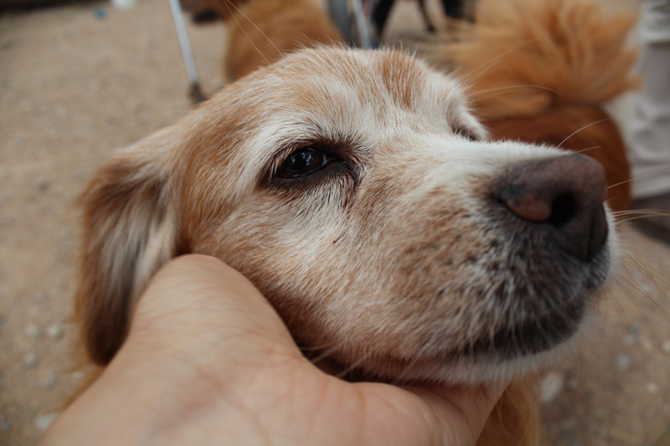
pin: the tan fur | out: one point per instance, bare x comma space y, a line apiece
392, 261
262, 31
523, 57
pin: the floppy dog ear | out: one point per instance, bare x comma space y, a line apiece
129, 231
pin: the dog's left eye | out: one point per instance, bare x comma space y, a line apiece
302, 162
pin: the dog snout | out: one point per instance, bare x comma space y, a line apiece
560, 198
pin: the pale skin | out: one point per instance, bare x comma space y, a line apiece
208, 361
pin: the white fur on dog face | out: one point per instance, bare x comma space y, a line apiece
393, 258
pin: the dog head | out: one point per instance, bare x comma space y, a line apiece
359, 194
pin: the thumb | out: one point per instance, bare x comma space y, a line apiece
472, 405
211, 304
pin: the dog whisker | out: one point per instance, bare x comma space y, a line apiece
353, 366
593, 148
640, 290
404, 375
627, 216
640, 177
230, 4
582, 129
483, 94
325, 352
482, 69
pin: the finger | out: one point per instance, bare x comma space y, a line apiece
196, 298
439, 415
473, 404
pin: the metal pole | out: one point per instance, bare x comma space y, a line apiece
186, 52
362, 24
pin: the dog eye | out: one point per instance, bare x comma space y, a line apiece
302, 162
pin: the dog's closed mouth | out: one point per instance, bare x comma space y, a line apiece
534, 335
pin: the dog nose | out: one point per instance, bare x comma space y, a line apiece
561, 197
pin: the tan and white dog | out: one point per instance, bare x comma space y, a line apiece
356, 190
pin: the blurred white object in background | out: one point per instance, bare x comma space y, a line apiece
124, 4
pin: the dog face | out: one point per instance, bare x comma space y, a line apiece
358, 193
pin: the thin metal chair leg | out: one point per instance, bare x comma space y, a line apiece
194, 90
362, 25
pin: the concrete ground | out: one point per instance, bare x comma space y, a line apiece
78, 81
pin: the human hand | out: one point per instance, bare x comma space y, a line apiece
209, 361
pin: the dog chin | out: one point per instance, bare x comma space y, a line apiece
491, 367
487, 368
